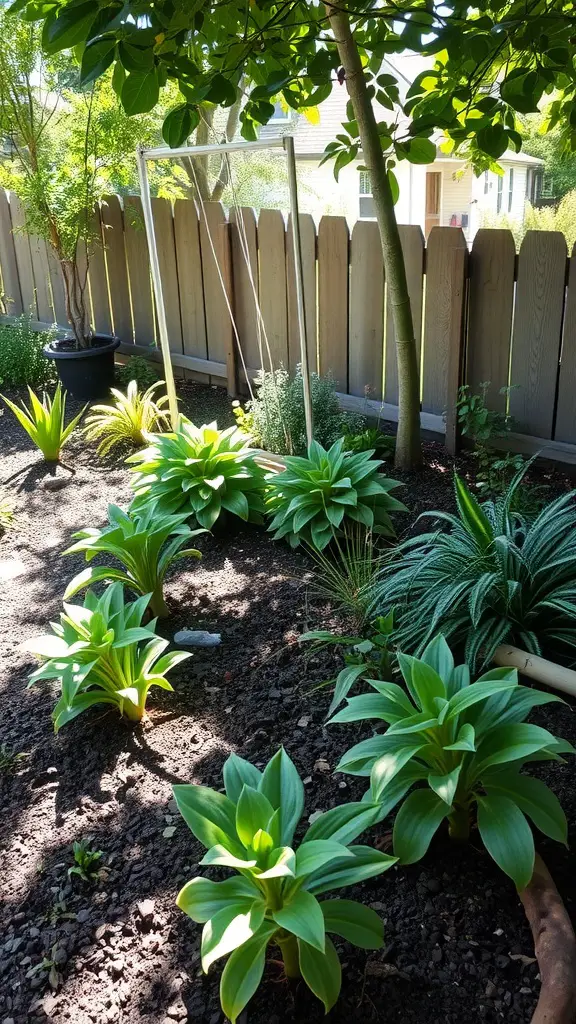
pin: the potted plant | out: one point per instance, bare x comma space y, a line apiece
65, 140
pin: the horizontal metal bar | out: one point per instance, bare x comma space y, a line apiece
164, 152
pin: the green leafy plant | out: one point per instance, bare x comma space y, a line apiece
467, 742
86, 861
146, 545
275, 418
314, 497
371, 439
102, 654
347, 570
139, 369
10, 760
6, 512
200, 470
494, 577
251, 829
44, 421
132, 416
366, 657
21, 359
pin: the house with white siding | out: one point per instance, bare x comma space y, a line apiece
445, 192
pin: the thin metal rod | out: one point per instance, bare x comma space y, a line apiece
299, 279
164, 152
157, 285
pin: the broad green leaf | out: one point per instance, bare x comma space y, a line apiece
477, 692
321, 971
140, 92
201, 899
220, 856
210, 816
237, 773
423, 682
535, 799
282, 864
466, 739
507, 836
302, 917
367, 863
344, 682
510, 742
282, 786
445, 785
421, 151
416, 822
253, 812
311, 856
243, 972
97, 58
178, 124
342, 824
387, 766
352, 921
228, 929
438, 656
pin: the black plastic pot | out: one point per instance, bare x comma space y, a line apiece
86, 373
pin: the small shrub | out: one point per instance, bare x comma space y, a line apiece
347, 570
145, 545
21, 359
200, 470
495, 577
315, 496
139, 369
467, 742
275, 420
9, 760
371, 439
44, 422
250, 829
132, 416
102, 654
85, 861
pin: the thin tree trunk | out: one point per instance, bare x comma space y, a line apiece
408, 447
231, 128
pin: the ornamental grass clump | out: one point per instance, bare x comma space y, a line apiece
146, 546
202, 471
132, 416
44, 421
102, 654
316, 497
466, 744
494, 577
273, 899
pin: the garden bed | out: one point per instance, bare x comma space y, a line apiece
457, 943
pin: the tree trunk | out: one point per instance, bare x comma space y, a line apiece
408, 447
231, 128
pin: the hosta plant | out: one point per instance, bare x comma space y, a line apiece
493, 577
146, 545
44, 421
102, 654
273, 899
315, 496
129, 419
199, 470
466, 744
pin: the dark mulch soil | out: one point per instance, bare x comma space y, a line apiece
458, 947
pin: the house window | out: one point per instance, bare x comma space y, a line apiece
510, 189
486, 182
499, 194
280, 114
365, 183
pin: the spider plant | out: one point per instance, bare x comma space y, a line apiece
129, 419
145, 545
44, 421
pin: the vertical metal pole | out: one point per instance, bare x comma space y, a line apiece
157, 285
299, 278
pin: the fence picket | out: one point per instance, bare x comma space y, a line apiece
138, 263
213, 232
115, 254
333, 299
244, 242
537, 331
12, 295
273, 300
40, 269
189, 265
565, 428
308, 253
57, 288
443, 315
412, 241
23, 256
166, 248
366, 328
98, 280
491, 302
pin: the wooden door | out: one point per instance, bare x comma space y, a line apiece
433, 194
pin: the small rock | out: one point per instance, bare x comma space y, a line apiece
321, 765
436, 955
169, 832
490, 989
82, 916
303, 722
197, 638
314, 817
55, 483
433, 885
146, 910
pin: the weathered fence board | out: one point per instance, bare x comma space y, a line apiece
244, 242
39, 257
308, 254
366, 327
10, 279
273, 302
537, 331
166, 248
23, 257
187, 240
213, 238
115, 254
138, 263
98, 280
333, 272
57, 288
445, 293
565, 429
412, 241
491, 303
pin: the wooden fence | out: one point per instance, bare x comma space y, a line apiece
487, 314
